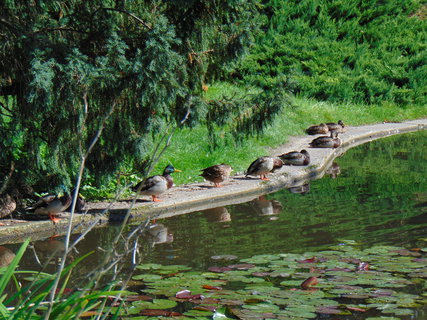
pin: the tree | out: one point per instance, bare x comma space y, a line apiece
69, 67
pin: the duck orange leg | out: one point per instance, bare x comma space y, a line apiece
263, 177
54, 218
217, 184
155, 199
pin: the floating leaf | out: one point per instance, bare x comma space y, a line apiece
160, 313
208, 287
155, 304
242, 266
147, 277
309, 282
219, 269
328, 310
149, 266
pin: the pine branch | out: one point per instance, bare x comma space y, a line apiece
125, 12
7, 109
58, 29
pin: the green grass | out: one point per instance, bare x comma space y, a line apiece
190, 152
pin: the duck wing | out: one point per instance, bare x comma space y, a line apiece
292, 155
150, 183
258, 164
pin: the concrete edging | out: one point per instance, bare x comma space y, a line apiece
200, 196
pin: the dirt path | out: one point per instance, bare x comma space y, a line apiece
202, 196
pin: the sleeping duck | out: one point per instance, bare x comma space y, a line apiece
339, 127
51, 205
155, 185
217, 173
295, 158
327, 142
318, 129
264, 165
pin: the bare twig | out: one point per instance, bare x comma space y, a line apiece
128, 13
73, 206
58, 29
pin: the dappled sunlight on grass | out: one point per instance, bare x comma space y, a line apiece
190, 148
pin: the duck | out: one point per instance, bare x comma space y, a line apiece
80, 202
264, 165
51, 205
295, 158
217, 173
318, 129
339, 127
155, 185
331, 141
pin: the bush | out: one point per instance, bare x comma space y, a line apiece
344, 51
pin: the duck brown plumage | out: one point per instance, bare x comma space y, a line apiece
317, 129
52, 205
331, 141
155, 185
264, 165
339, 127
295, 158
217, 173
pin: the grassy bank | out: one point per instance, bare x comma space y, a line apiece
190, 148
190, 151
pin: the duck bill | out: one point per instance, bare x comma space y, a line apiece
176, 170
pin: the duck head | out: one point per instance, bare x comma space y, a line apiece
305, 152
170, 169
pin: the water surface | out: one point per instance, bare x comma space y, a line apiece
374, 194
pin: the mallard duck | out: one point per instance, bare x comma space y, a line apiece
318, 129
155, 185
217, 173
80, 202
327, 142
295, 158
52, 205
339, 127
263, 165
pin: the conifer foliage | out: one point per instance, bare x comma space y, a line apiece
357, 51
68, 68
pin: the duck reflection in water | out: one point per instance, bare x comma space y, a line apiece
6, 256
50, 250
265, 207
302, 189
334, 170
219, 214
158, 233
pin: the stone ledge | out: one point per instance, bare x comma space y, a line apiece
201, 196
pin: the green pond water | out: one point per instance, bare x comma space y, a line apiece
375, 194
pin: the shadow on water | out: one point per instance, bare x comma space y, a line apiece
375, 194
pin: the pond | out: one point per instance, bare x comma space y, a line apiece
371, 201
